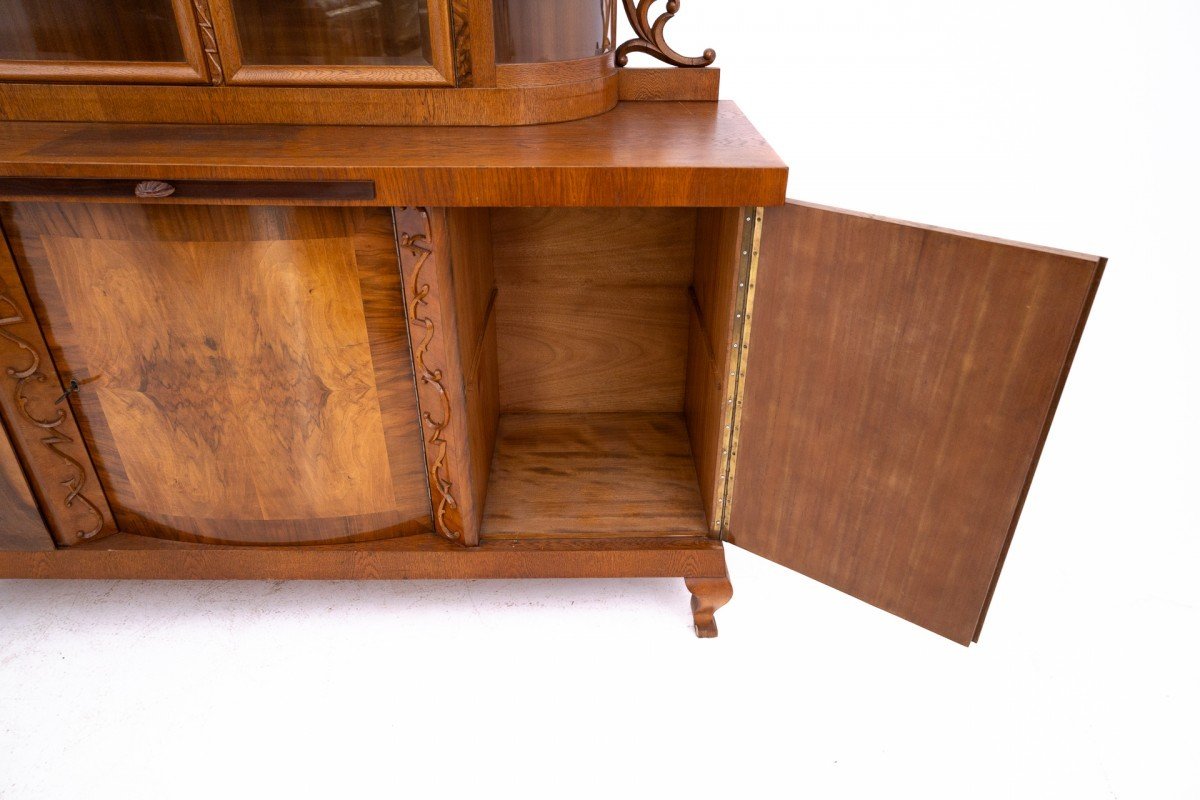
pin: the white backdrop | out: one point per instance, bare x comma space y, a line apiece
1069, 123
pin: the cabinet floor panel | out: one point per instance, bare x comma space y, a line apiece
612, 474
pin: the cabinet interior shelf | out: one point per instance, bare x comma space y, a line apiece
596, 475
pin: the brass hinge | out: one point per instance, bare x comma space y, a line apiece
735, 393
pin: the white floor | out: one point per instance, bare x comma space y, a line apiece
1069, 123
589, 688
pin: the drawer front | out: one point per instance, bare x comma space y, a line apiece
167, 192
243, 372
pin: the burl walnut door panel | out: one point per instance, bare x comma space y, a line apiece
244, 371
900, 383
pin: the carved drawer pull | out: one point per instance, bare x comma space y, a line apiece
153, 189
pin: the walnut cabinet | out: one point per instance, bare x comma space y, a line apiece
600, 348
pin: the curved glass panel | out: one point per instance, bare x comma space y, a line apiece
529, 31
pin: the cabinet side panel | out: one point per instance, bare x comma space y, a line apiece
711, 356
470, 235
21, 526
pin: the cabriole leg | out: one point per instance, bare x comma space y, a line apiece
708, 594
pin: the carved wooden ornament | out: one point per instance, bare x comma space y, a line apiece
208, 41
651, 38
416, 249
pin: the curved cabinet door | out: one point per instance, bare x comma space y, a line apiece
105, 41
243, 372
899, 383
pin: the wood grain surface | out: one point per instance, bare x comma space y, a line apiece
412, 557
302, 105
593, 475
470, 243
639, 154
552, 72
592, 309
244, 376
669, 84
901, 381
21, 526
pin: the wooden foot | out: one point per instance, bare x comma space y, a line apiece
708, 594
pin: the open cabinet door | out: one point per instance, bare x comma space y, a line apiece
899, 384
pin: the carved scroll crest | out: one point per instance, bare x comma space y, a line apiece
76, 478
418, 246
650, 36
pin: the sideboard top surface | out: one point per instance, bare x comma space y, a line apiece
639, 154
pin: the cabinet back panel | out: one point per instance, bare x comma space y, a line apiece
592, 308
244, 371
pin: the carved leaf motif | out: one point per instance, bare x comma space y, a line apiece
208, 41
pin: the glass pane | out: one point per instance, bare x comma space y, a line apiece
333, 32
89, 30
536, 30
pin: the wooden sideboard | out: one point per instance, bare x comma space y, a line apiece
434, 341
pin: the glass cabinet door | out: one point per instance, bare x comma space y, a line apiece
120, 41
348, 42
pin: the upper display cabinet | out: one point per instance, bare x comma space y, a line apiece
382, 62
